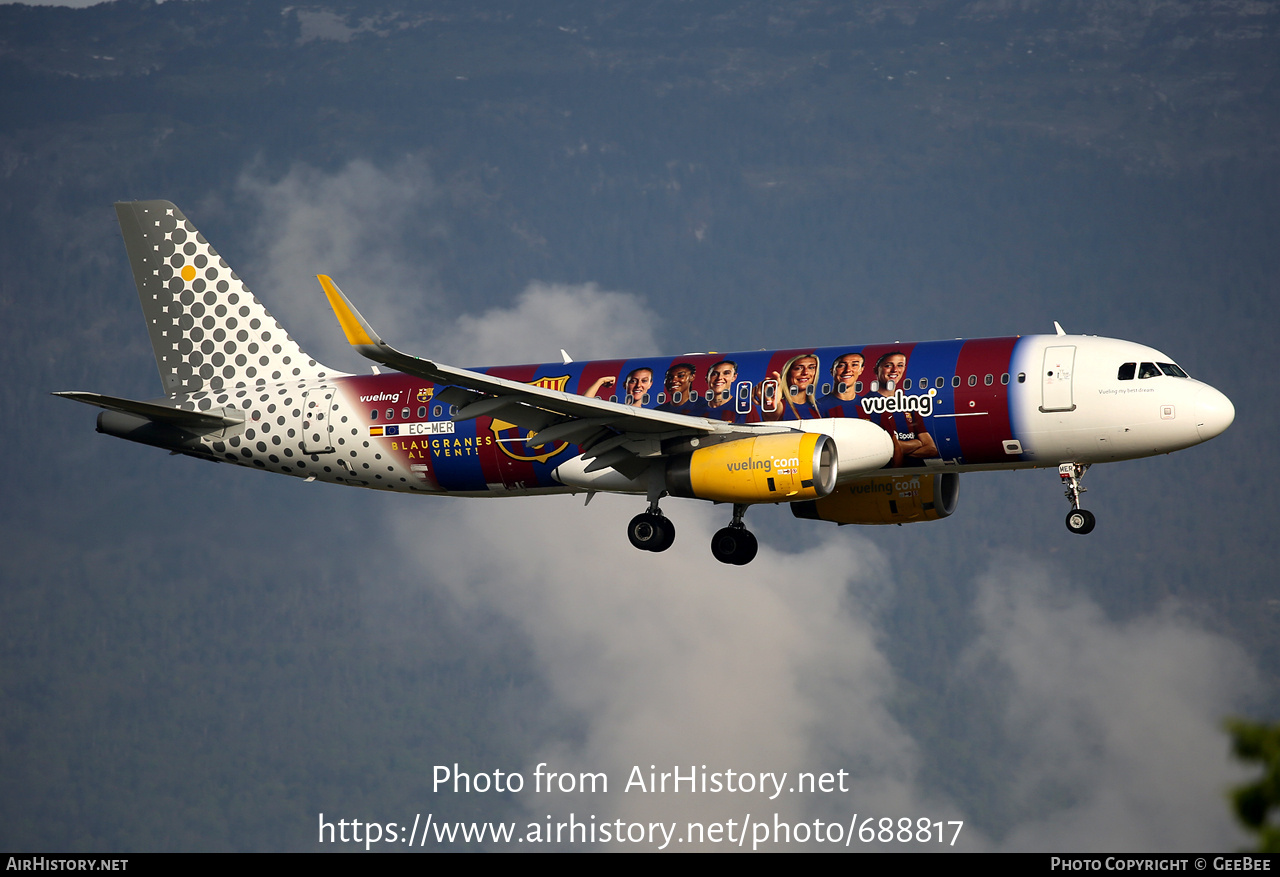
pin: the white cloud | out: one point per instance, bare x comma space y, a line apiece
583, 319
363, 226
358, 225
676, 660
1123, 719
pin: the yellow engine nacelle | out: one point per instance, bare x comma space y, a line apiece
889, 499
778, 467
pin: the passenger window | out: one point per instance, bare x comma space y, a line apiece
1022, 377
404, 414
1004, 379
1148, 370
373, 415
391, 414
857, 387
435, 410
743, 400
826, 388
955, 380
1126, 371
940, 383
422, 411
769, 396
662, 397
988, 380
973, 380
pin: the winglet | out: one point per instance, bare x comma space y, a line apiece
1058, 328
358, 331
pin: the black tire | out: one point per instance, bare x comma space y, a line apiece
1080, 521
651, 532
668, 534
747, 548
734, 545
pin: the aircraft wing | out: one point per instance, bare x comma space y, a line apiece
616, 435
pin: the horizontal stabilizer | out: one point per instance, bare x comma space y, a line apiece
195, 421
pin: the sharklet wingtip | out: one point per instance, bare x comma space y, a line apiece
359, 333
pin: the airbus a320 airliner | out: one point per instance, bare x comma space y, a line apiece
856, 434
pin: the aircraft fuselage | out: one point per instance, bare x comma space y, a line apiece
991, 403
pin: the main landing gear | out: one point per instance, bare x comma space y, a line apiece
735, 544
651, 531
1078, 520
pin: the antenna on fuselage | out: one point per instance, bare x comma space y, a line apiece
1057, 328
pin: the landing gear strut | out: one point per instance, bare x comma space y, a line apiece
651, 531
735, 544
1078, 520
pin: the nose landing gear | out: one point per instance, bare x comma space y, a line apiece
735, 544
1078, 520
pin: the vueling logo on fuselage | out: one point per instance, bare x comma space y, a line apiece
899, 401
517, 435
393, 398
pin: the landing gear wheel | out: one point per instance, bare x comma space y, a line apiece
1080, 521
668, 534
734, 545
650, 532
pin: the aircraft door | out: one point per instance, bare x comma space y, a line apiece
317, 420
1055, 379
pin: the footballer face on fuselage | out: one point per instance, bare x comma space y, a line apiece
720, 378
637, 386
890, 370
679, 380
801, 374
846, 371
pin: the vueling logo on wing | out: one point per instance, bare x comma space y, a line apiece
508, 434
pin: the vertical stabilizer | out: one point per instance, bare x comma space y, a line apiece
208, 330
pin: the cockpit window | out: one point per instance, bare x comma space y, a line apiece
1172, 370
1126, 371
1148, 370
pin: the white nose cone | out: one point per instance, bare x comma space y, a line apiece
1214, 413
